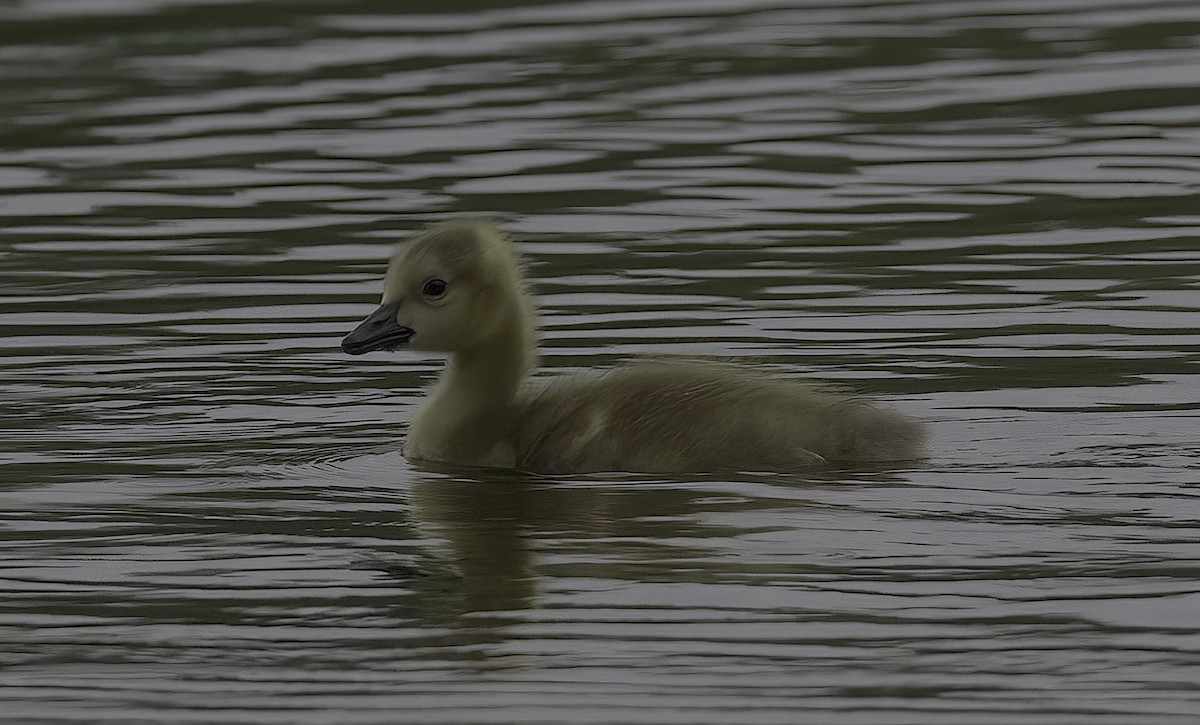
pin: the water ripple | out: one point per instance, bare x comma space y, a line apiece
979, 212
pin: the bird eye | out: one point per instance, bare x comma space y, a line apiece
434, 288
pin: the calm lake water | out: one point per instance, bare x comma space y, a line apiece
986, 214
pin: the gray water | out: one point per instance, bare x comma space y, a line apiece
982, 213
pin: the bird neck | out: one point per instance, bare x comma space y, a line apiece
488, 376
469, 415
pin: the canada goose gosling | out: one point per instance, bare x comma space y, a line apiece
458, 289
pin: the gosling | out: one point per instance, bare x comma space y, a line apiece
458, 289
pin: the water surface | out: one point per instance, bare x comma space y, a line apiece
981, 213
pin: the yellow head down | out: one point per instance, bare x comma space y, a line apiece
455, 288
